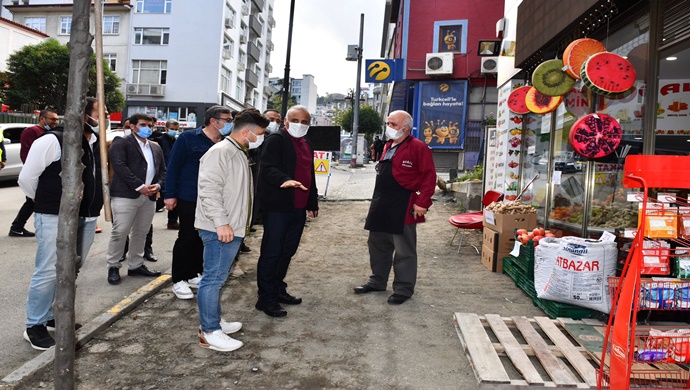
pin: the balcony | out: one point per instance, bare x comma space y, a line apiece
271, 21
251, 79
253, 51
269, 45
269, 68
245, 10
258, 5
255, 26
145, 89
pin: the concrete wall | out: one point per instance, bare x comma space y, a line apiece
12, 39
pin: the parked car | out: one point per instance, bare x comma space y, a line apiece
12, 132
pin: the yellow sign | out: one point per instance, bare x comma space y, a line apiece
379, 70
322, 163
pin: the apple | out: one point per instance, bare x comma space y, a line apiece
520, 232
524, 239
530, 235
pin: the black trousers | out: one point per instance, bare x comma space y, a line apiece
23, 215
282, 234
188, 251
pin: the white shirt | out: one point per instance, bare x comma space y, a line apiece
150, 163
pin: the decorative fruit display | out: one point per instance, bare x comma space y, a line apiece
539, 103
524, 236
595, 135
608, 74
550, 79
577, 53
516, 100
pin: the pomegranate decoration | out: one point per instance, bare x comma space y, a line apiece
595, 135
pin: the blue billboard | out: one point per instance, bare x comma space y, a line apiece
440, 113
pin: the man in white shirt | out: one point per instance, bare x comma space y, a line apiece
138, 175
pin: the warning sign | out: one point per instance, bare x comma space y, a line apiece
322, 162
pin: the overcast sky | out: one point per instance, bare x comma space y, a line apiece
321, 32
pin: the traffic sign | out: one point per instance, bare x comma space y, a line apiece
322, 162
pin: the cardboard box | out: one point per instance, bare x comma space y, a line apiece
493, 260
507, 223
498, 242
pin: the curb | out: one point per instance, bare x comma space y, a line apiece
34, 366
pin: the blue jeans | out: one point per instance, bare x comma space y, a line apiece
44, 280
218, 258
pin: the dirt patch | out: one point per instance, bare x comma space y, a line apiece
334, 339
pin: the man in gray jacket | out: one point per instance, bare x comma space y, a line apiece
223, 213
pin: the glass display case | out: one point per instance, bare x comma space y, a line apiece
535, 149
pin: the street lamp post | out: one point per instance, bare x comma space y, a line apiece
286, 76
355, 107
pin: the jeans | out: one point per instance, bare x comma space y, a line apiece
282, 233
218, 258
44, 280
188, 251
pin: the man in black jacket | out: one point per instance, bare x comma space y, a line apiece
41, 181
287, 191
138, 175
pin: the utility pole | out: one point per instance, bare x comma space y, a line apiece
355, 107
286, 76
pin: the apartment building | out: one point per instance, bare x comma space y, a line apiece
175, 58
303, 90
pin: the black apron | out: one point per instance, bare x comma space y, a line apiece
389, 203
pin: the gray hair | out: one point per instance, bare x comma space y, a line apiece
408, 118
171, 122
298, 108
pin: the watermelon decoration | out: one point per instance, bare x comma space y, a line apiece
595, 135
577, 53
516, 100
608, 74
539, 103
550, 79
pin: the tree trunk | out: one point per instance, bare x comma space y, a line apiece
72, 193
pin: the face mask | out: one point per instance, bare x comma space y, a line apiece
394, 134
257, 143
227, 129
272, 127
94, 129
172, 133
297, 130
144, 132
128, 132
46, 127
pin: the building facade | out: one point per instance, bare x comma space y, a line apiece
14, 36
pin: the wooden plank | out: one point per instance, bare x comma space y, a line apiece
481, 354
581, 365
589, 336
514, 350
556, 369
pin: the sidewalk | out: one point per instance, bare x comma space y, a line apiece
335, 339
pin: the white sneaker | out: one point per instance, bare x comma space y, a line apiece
230, 327
194, 282
182, 290
218, 341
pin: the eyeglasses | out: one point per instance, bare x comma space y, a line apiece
227, 120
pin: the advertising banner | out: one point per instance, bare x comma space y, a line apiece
441, 112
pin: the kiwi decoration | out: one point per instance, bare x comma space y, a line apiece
550, 79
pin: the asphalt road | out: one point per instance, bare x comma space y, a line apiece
94, 294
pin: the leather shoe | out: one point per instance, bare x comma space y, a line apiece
272, 309
113, 275
174, 225
244, 248
143, 271
365, 289
150, 257
289, 299
397, 299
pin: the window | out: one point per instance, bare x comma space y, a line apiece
151, 36
36, 23
229, 46
225, 77
111, 59
149, 72
239, 88
230, 13
296, 90
243, 57
111, 25
153, 6
255, 102
65, 25
297, 83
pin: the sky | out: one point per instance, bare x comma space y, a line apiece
321, 32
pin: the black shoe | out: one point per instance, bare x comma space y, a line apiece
289, 299
21, 233
124, 257
366, 289
150, 257
50, 325
244, 248
113, 275
38, 337
272, 309
397, 299
252, 230
143, 271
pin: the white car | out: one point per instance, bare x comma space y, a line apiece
12, 132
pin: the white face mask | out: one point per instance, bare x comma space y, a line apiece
257, 143
272, 127
393, 134
297, 130
128, 132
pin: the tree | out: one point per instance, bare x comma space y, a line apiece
276, 101
38, 75
370, 121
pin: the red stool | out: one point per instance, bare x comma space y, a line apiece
473, 220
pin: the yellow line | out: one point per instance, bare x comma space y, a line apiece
147, 288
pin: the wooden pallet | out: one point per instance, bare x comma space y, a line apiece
561, 361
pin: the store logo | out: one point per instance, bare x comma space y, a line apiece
576, 249
379, 70
444, 87
618, 352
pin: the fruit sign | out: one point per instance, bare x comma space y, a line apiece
322, 163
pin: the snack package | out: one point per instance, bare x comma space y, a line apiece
676, 343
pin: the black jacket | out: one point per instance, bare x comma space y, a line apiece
278, 160
129, 167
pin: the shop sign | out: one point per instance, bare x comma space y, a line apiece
183, 124
441, 112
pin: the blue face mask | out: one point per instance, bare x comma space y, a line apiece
172, 133
47, 127
145, 132
227, 129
